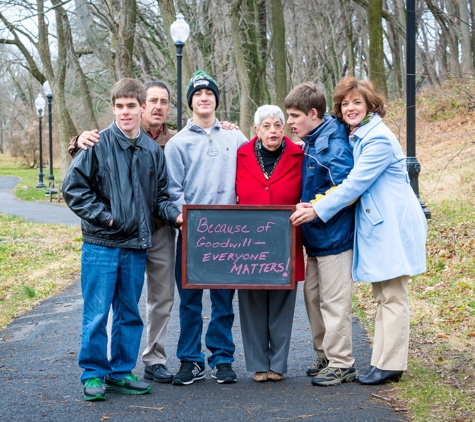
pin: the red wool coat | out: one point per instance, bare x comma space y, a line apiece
283, 188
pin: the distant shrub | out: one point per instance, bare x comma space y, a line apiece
455, 97
24, 146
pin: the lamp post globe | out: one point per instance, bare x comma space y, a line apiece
40, 109
49, 96
179, 31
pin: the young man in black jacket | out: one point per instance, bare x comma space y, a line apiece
117, 188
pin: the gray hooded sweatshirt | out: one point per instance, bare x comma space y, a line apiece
202, 168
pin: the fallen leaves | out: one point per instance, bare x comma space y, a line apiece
442, 336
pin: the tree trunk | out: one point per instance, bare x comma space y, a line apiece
92, 35
446, 25
243, 78
91, 121
397, 71
125, 36
279, 52
465, 41
376, 54
472, 23
349, 36
63, 120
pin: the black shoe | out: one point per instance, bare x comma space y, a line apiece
379, 376
224, 374
188, 373
158, 373
369, 372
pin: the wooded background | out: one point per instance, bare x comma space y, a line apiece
257, 50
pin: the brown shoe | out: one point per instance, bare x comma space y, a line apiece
260, 376
274, 376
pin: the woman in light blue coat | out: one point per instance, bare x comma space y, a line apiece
390, 227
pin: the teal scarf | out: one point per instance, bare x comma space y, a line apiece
366, 119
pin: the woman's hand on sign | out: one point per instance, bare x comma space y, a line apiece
303, 214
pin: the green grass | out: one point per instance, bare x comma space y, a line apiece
440, 382
429, 399
35, 263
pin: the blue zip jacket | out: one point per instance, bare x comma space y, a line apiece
327, 161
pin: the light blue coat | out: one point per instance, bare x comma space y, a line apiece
390, 227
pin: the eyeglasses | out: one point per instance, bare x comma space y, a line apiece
277, 126
163, 102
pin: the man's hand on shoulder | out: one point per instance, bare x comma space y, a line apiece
88, 139
228, 125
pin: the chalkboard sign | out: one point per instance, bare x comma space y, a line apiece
238, 247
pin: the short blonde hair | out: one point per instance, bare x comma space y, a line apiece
351, 85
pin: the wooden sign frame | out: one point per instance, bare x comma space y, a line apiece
263, 246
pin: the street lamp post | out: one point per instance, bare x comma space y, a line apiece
49, 95
413, 166
179, 31
40, 108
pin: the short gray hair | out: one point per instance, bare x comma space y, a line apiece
268, 111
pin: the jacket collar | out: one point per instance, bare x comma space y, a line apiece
321, 133
365, 129
249, 160
123, 140
196, 128
163, 136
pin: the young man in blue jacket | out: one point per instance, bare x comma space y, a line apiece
327, 161
117, 188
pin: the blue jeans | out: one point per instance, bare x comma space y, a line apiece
110, 276
219, 337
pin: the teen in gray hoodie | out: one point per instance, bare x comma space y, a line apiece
201, 166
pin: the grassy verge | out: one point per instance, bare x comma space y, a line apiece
440, 382
36, 261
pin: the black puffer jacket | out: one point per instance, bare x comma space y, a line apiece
123, 182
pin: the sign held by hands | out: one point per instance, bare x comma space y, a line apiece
238, 247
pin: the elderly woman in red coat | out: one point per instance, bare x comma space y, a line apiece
269, 172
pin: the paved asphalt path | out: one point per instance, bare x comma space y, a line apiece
39, 212
39, 376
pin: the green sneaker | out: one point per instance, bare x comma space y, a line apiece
317, 366
334, 376
93, 389
130, 384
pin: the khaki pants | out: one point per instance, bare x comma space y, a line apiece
327, 292
160, 280
391, 332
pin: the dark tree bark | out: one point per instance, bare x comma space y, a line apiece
376, 52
